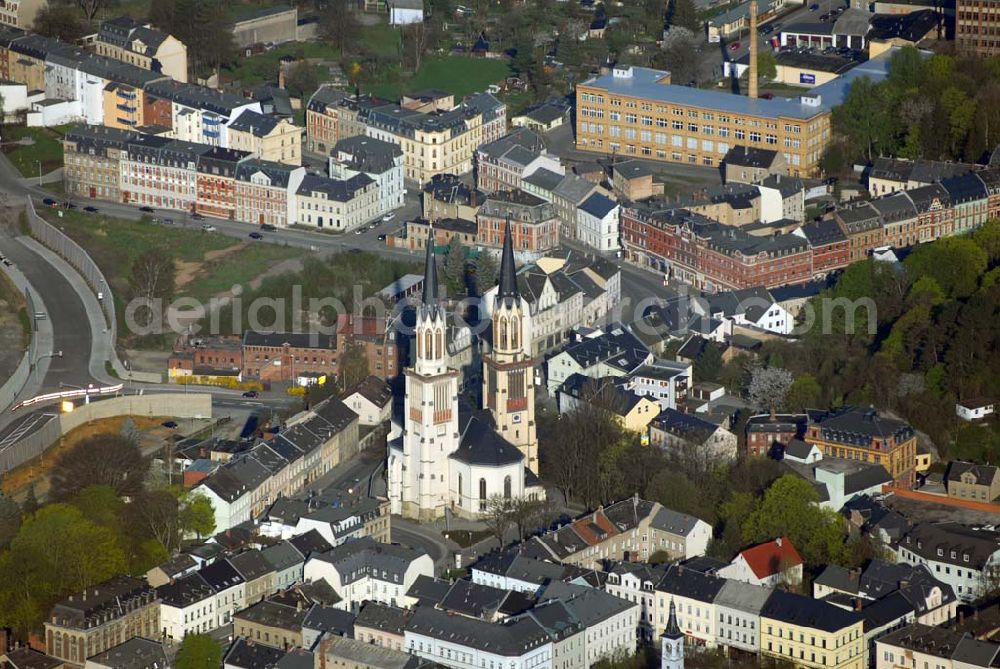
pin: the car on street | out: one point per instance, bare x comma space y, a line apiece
169, 424
767, 96
814, 7
381, 238
251, 394
198, 217
90, 209
168, 221
256, 235
267, 227
49, 202
208, 228
734, 46
148, 210
388, 217
359, 231
824, 17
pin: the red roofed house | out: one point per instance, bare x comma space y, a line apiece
773, 563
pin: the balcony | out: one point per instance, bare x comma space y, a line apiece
125, 108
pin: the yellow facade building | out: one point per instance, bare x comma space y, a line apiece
863, 435
811, 633
274, 139
636, 111
140, 44
123, 106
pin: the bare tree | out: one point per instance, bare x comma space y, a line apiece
415, 38
499, 517
527, 512
768, 388
91, 7
104, 459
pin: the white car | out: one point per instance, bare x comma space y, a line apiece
388, 217
208, 227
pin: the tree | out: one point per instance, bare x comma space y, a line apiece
709, 364
487, 271
353, 365
10, 520
301, 79
104, 459
498, 517
768, 388
100, 504
789, 508
338, 25
684, 14
31, 504
59, 22
55, 553
955, 263
680, 54
454, 266
199, 651
864, 117
197, 514
804, 393
767, 65
415, 39
157, 513
526, 513
152, 282
91, 7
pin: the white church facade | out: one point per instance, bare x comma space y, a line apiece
438, 460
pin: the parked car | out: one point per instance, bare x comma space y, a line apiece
256, 235
267, 227
824, 17
767, 96
49, 201
198, 217
251, 394
359, 231
168, 221
381, 238
813, 7
169, 424
388, 217
91, 209
734, 46
148, 210
208, 228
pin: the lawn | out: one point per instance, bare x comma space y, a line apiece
47, 149
207, 263
458, 75
263, 67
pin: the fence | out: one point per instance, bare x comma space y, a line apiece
51, 237
13, 385
55, 425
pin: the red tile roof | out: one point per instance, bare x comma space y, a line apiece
772, 557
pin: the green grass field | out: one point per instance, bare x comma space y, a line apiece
207, 263
263, 67
456, 74
47, 149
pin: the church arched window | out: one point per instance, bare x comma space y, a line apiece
482, 489
515, 332
428, 345
460, 486
439, 343
506, 487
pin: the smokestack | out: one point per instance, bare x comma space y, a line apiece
752, 90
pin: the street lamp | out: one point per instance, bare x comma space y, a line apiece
39, 163
39, 358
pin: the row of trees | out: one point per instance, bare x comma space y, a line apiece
464, 275
943, 107
90, 533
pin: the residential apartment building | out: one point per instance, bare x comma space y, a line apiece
597, 223
216, 182
92, 157
337, 204
144, 46
266, 192
865, 436
692, 593
378, 160
636, 111
447, 196
365, 570
967, 480
187, 606
200, 114
312, 443
270, 138
102, 616
976, 25
503, 164
437, 142
564, 291
890, 175
20, 13
632, 528
709, 255
533, 223
737, 607
811, 633
962, 557
919, 645
161, 173
322, 122
418, 232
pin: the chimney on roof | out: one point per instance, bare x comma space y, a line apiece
778, 542
857, 603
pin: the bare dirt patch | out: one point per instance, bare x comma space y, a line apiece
17, 481
188, 271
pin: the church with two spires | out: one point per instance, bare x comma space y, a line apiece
440, 458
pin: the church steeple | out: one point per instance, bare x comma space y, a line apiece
672, 643
430, 295
508, 278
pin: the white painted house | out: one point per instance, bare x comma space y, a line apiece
187, 606
597, 223
770, 564
405, 12
975, 409
752, 307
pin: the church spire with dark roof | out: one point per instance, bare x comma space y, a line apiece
673, 630
508, 278
430, 295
